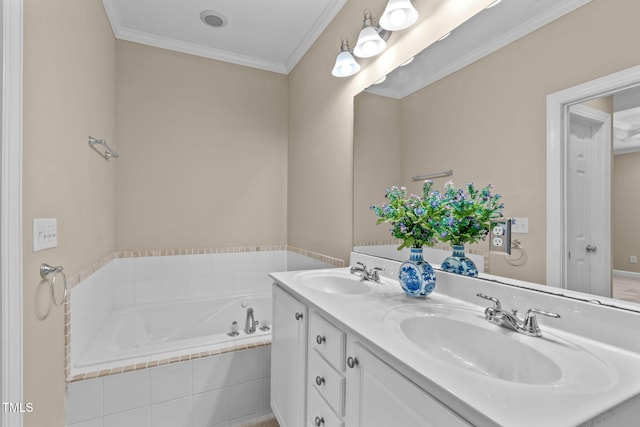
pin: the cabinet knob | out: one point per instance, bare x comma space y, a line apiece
319, 421
299, 316
319, 380
352, 362
320, 339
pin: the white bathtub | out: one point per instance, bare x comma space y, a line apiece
145, 309
148, 339
164, 330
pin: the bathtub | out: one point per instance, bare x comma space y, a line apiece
141, 310
147, 339
165, 330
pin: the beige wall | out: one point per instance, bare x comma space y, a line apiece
496, 108
320, 179
626, 205
203, 148
69, 94
376, 161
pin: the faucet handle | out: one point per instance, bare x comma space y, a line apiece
496, 301
375, 275
360, 267
531, 322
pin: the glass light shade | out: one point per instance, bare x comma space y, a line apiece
398, 15
369, 43
345, 66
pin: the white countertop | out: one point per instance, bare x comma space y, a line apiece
480, 399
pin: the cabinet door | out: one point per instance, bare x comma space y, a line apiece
379, 396
288, 359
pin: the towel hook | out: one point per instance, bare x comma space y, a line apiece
108, 151
45, 271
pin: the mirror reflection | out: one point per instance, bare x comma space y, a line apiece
487, 122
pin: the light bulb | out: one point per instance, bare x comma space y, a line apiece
397, 17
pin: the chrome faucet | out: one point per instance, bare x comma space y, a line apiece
250, 324
360, 269
529, 326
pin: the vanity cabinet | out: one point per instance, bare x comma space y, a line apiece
346, 384
288, 359
378, 395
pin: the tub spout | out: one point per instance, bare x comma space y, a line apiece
250, 324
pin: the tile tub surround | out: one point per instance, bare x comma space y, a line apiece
222, 391
131, 278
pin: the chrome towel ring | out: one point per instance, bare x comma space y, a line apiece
46, 270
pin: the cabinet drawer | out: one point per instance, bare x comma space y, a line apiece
328, 340
319, 414
325, 379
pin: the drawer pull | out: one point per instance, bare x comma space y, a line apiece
320, 339
299, 316
352, 362
319, 421
319, 380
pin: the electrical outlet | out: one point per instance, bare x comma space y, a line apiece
45, 233
500, 236
633, 259
520, 225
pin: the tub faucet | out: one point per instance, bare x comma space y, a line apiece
528, 326
250, 324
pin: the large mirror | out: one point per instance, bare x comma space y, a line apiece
476, 103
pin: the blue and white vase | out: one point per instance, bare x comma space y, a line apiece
458, 263
416, 276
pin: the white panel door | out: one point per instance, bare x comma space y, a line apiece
588, 227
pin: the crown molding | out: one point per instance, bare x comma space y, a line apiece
122, 33
199, 50
312, 35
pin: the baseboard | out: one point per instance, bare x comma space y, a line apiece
630, 274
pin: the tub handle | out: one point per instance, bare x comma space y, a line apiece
299, 316
45, 271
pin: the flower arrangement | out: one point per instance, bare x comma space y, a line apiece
467, 216
455, 216
415, 220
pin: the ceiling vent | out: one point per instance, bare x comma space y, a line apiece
213, 19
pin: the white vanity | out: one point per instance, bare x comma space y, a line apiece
347, 352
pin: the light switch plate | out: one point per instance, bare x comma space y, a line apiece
45, 233
520, 225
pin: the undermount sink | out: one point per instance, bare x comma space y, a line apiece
463, 338
339, 282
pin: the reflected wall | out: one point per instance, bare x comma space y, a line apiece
487, 121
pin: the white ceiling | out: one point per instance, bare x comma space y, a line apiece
274, 35
481, 35
271, 35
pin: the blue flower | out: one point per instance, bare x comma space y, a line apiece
418, 211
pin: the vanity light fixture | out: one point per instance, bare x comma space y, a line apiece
372, 40
346, 64
398, 15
